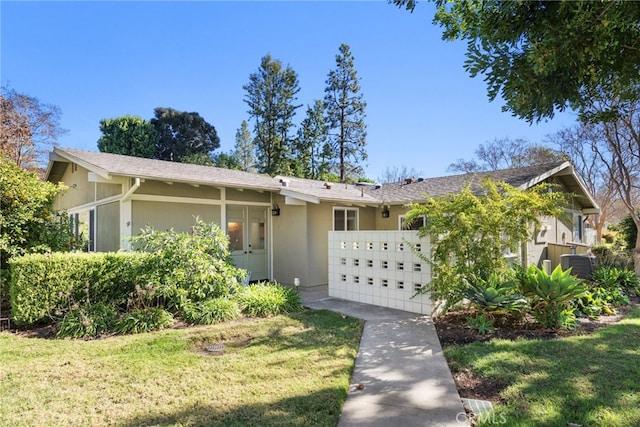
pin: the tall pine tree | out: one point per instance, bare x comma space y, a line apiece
271, 93
243, 152
345, 116
311, 154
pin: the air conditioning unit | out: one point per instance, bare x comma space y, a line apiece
581, 265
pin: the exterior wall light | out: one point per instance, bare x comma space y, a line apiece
385, 213
275, 210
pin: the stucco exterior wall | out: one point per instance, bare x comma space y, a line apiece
158, 188
80, 190
163, 215
108, 227
290, 243
247, 196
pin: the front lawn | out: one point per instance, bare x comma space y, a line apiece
287, 370
588, 380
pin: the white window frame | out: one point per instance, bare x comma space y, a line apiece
345, 209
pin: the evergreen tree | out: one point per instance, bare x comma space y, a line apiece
345, 115
182, 134
271, 93
128, 135
244, 149
311, 151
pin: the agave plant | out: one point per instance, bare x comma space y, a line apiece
551, 294
494, 293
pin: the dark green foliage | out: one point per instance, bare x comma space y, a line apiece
28, 222
128, 135
189, 267
614, 277
629, 232
311, 151
270, 95
43, 287
143, 320
268, 299
210, 311
181, 134
88, 321
344, 116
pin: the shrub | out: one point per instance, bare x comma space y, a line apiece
28, 222
87, 321
143, 320
210, 311
44, 284
481, 323
268, 299
494, 293
614, 278
551, 294
190, 267
613, 256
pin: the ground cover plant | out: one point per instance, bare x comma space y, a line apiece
289, 370
588, 379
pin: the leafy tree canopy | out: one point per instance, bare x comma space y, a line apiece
128, 135
471, 231
544, 56
181, 134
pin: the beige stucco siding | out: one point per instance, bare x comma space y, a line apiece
158, 188
290, 244
80, 191
248, 196
104, 190
166, 215
108, 227
320, 222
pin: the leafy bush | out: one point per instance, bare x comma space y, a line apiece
210, 311
87, 321
268, 299
627, 228
613, 256
612, 278
494, 293
189, 267
551, 294
143, 320
470, 231
28, 222
43, 284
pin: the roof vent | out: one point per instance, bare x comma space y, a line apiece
284, 182
327, 185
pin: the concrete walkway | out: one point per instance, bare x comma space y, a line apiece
401, 378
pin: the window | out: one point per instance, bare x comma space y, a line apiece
345, 219
84, 229
415, 225
577, 228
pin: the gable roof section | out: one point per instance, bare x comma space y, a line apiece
523, 178
108, 165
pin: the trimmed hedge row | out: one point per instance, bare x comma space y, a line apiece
42, 287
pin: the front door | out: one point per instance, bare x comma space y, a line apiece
247, 229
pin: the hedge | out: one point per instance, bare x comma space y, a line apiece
44, 286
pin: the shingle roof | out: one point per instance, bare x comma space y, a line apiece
403, 192
313, 191
119, 165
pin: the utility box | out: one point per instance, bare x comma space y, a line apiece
581, 265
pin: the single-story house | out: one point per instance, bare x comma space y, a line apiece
280, 228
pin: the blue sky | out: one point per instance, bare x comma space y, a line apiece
98, 60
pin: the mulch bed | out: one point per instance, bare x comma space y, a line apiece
452, 331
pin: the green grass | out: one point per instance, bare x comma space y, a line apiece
287, 370
590, 380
